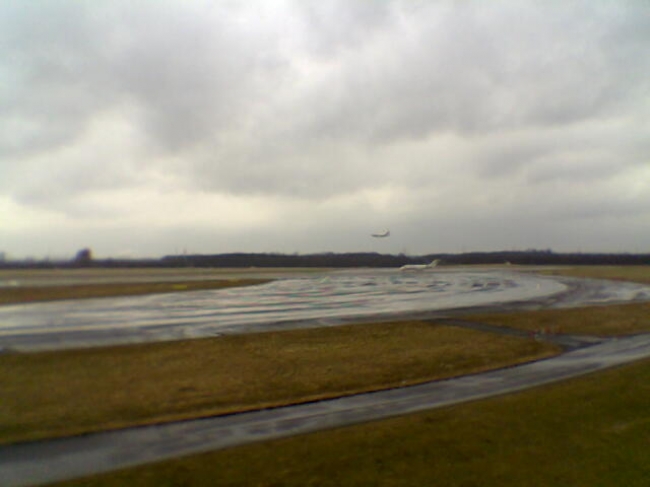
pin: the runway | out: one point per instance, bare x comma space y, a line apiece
293, 300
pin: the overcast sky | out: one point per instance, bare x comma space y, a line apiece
146, 128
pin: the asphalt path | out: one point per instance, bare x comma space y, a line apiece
48, 461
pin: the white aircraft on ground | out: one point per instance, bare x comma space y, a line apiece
419, 267
385, 233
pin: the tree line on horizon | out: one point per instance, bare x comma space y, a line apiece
84, 259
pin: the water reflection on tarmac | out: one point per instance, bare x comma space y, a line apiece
295, 299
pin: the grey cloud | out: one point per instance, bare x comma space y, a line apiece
193, 76
338, 25
49, 97
186, 70
60, 186
503, 158
191, 68
467, 107
303, 168
578, 152
476, 68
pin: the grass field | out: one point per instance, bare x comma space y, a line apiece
121, 386
590, 431
613, 320
636, 273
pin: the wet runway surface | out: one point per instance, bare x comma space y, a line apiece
321, 299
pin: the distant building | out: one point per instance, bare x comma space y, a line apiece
84, 257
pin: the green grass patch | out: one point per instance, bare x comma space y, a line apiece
589, 431
72, 392
28, 294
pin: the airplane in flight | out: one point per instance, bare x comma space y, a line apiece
385, 233
419, 267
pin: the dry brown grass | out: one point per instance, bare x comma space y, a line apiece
28, 294
634, 273
72, 392
589, 431
613, 320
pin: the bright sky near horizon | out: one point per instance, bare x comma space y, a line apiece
156, 127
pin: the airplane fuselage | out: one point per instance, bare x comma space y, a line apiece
419, 267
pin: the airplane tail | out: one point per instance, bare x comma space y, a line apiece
434, 263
